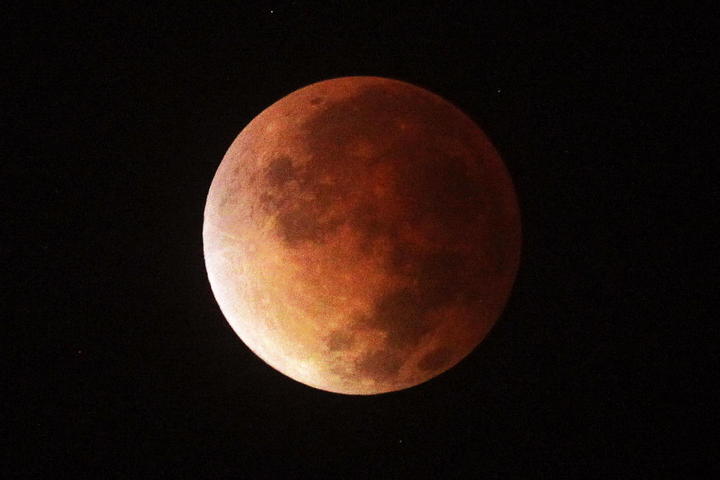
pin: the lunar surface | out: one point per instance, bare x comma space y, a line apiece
361, 235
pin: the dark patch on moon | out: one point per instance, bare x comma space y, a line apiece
280, 171
379, 365
366, 220
299, 217
442, 190
401, 314
301, 224
441, 278
340, 340
435, 360
436, 187
316, 100
440, 275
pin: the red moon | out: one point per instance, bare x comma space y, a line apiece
361, 235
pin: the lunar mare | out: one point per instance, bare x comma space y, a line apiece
361, 235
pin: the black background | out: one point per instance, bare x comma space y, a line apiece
121, 364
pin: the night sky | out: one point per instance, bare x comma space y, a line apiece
120, 363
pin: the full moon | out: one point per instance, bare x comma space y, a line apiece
361, 235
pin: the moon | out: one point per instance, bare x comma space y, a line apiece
361, 235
